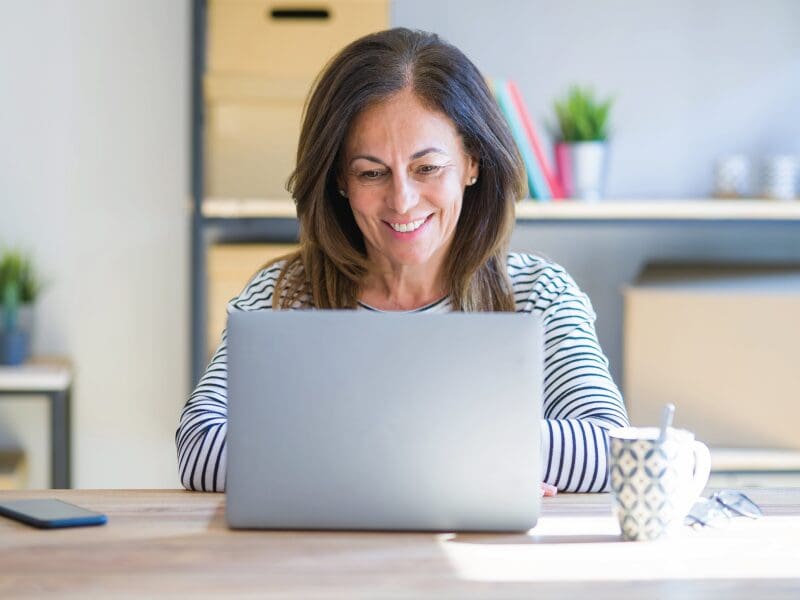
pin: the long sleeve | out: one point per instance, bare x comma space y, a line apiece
203, 425
202, 429
581, 401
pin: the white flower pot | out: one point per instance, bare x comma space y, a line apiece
582, 169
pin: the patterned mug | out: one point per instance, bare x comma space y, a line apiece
654, 483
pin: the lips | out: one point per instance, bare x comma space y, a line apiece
408, 226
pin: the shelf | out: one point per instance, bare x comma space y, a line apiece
249, 208
567, 210
754, 459
40, 374
661, 210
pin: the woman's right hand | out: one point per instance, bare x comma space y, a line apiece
547, 489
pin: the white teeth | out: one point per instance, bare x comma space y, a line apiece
406, 227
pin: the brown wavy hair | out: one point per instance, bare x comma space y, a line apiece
332, 262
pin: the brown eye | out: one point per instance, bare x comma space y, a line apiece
373, 174
428, 169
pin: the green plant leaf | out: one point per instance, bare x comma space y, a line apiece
581, 117
17, 274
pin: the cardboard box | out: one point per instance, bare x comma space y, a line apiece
13, 470
723, 344
230, 268
260, 68
251, 131
287, 38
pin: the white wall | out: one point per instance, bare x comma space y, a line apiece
94, 115
692, 80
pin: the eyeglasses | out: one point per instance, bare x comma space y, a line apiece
720, 508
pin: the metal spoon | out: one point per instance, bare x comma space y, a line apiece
666, 421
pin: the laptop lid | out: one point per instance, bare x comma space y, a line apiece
359, 420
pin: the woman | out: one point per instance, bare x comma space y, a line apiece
405, 186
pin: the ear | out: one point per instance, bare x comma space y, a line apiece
472, 167
341, 185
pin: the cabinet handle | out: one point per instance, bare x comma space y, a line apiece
299, 14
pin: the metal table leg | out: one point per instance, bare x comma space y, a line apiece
60, 428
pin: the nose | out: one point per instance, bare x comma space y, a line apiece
403, 194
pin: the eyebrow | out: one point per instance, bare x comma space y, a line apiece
414, 156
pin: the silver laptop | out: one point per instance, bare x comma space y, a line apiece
362, 420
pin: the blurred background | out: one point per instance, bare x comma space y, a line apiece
146, 142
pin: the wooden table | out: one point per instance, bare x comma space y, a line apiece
52, 378
176, 543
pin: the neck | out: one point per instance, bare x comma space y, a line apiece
404, 288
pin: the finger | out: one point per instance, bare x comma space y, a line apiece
548, 490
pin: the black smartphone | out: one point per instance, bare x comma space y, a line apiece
49, 513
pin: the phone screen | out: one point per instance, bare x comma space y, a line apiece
49, 512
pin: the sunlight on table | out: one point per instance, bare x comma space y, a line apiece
572, 548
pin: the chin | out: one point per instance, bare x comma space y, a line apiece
410, 259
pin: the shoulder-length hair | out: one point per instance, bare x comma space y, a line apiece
332, 263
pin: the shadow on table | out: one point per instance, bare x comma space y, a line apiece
217, 522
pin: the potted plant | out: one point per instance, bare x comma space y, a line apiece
18, 290
582, 143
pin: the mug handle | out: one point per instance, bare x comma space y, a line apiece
702, 469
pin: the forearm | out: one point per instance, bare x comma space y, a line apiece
202, 429
201, 443
575, 455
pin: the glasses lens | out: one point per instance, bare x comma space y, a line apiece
707, 512
738, 503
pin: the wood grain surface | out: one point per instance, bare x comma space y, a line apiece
170, 543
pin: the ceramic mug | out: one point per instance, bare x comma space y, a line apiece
731, 177
780, 173
654, 484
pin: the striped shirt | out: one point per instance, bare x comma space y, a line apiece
581, 401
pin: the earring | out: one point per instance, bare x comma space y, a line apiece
343, 193
473, 180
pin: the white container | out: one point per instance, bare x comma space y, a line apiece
732, 177
780, 177
582, 169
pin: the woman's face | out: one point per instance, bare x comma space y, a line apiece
404, 175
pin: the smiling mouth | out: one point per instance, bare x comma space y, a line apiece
407, 227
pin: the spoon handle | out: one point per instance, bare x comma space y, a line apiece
666, 421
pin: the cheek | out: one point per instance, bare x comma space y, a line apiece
365, 211
362, 204
448, 194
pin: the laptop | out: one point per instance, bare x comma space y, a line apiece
356, 420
